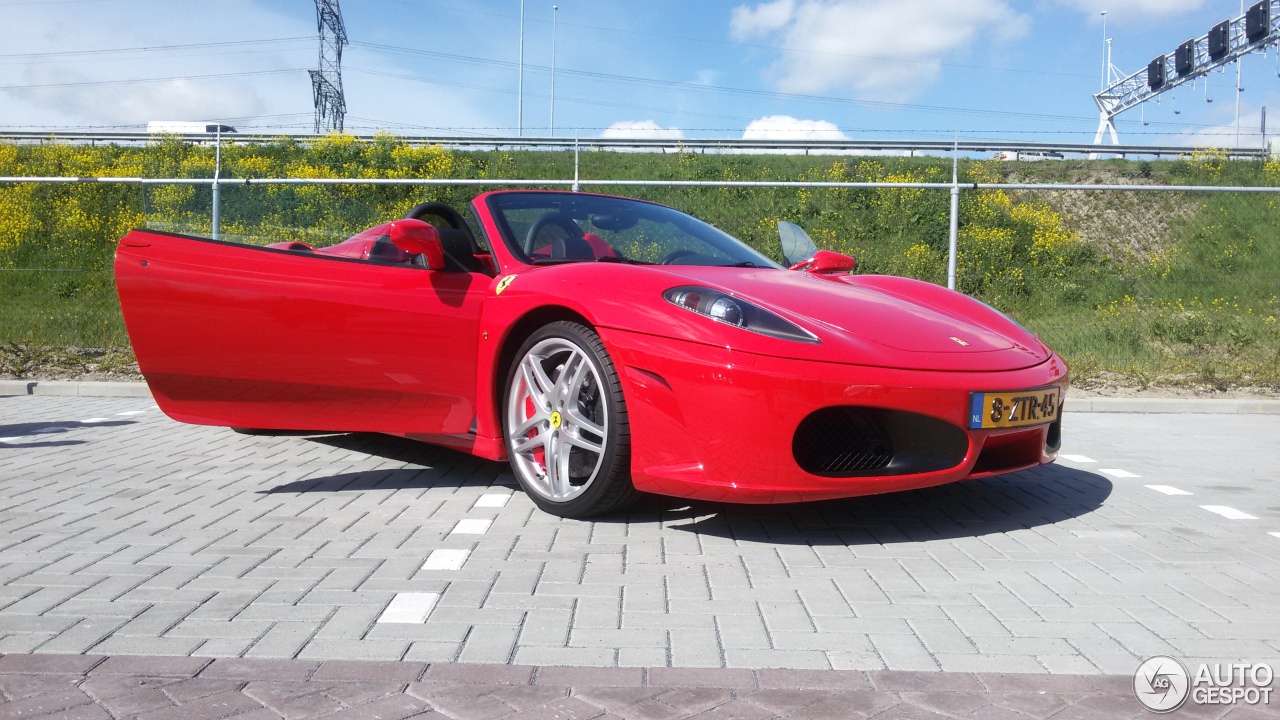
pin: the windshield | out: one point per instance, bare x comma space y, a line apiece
546, 228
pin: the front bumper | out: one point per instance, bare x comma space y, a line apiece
718, 424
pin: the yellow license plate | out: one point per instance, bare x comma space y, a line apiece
1014, 409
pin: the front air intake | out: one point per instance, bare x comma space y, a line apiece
848, 442
841, 441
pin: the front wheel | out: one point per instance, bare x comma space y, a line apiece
565, 423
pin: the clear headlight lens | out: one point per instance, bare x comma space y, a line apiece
726, 310
729, 310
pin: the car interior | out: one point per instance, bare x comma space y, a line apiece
462, 252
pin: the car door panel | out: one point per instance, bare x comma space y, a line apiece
230, 334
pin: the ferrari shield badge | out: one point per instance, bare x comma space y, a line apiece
503, 284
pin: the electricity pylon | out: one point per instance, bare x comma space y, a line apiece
326, 82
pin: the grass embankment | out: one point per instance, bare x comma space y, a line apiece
1134, 289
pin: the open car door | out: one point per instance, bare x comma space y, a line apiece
243, 336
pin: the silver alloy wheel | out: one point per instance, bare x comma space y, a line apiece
557, 420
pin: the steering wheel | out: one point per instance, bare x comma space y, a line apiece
441, 210
553, 217
672, 257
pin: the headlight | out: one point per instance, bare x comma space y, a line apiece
729, 310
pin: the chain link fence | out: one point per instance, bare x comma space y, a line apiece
1138, 271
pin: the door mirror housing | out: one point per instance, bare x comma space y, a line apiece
419, 238
827, 262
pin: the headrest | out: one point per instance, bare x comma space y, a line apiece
571, 248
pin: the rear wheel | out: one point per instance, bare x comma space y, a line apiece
565, 423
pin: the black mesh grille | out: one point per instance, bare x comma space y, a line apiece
841, 441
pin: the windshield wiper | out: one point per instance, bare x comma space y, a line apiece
556, 261
743, 264
620, 259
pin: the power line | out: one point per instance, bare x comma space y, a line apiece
722, 89
748, 92
562, 98
237, 53
150, 48
784, 48
55, 2
148, 80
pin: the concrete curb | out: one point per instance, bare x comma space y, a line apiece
1074, 404
1229, 406
67, 388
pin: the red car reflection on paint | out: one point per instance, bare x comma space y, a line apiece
605, 346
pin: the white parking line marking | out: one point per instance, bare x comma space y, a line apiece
471, 526
1077, 459
130, 413
446, 559
1167, 490
1275, 534
10, 439
1227, 512
492, 500
409, 608
1116, 473
96, 420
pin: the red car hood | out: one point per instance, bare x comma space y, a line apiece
883, 321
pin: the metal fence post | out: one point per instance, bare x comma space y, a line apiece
955, 233
955, 216
576, 187
217, 188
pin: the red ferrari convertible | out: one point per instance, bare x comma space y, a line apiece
605, 346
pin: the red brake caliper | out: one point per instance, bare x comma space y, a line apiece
539, 453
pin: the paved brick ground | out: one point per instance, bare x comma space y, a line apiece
122, 532
92, 687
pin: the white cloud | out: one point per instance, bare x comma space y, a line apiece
785, 127
763, 18
1126, 9
888, 49
642, 129
71, 93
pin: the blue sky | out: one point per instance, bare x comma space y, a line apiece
1014, 69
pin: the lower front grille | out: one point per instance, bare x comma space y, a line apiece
849, 442
841, 441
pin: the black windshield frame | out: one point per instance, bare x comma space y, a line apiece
581, 205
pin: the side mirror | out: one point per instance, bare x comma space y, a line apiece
827, 261
419, 238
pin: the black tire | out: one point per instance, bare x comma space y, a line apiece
610, 488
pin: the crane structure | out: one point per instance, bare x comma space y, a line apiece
326, 80
1227, 42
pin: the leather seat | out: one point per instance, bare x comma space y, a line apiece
460, 248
